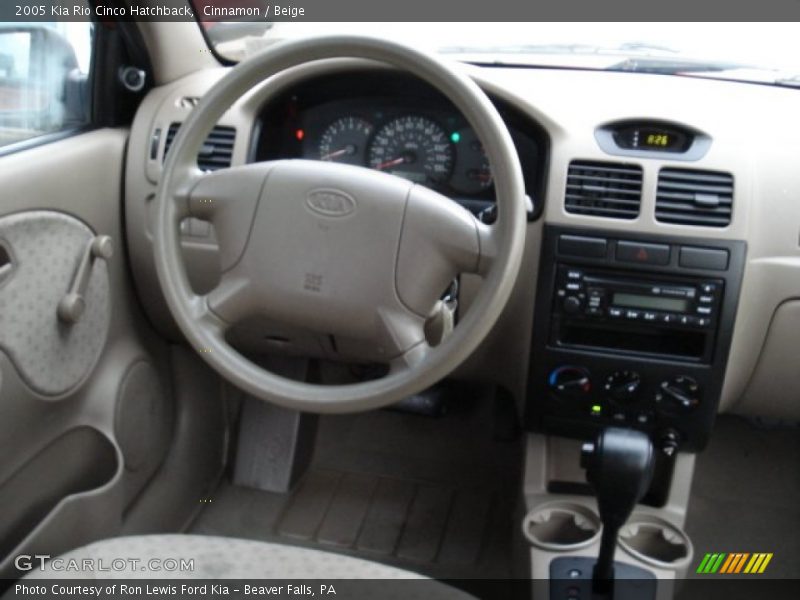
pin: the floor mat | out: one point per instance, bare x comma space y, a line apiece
746, 494
432, 495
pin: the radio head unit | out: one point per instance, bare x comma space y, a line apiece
602, 296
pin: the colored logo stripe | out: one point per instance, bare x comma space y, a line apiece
711, 562
721, 562
735, 562
758, 563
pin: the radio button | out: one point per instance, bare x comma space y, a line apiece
668, 318
633, 315
641, 253
573, 287
573, 274
649, 316
708, 288
706, 299
702, 321
615, 313
703, 310
594, 311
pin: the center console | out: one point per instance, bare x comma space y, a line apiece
632, 331
631, 336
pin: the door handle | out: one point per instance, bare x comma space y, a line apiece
72, 306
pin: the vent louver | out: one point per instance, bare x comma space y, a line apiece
689, 197
604, 189
216, 152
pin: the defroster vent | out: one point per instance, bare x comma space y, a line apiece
604, 189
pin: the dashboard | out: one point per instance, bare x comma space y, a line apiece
587, 142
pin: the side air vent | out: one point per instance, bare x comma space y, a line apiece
217, 151
688, 197
602, 189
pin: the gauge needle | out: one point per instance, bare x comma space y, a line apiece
390, 163
332, 155
349, 149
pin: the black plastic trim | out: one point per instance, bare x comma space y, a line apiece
571, 419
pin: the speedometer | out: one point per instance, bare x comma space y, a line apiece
345, 141
413, 147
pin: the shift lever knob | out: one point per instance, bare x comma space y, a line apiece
619, 466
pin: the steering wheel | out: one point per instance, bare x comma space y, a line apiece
340, 250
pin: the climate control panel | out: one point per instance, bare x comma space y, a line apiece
656, 401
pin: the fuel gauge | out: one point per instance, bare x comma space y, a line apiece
472, 173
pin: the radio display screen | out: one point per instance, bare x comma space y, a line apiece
679, 305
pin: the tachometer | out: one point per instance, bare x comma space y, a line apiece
345, 141
413, 147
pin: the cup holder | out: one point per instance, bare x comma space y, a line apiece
656, 542
561, 526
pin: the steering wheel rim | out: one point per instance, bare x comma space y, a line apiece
500, 246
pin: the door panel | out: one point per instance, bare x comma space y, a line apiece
67, 390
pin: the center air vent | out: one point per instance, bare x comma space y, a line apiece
604, 189
216, 152
688, 197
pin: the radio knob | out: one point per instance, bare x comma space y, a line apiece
570, 381
572, 304
680, 394
623, 386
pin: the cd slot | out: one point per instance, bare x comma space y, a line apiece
657, 341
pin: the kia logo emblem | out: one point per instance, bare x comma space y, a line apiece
330, 203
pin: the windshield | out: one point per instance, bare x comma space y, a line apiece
759, 52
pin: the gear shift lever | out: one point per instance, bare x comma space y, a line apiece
619, 466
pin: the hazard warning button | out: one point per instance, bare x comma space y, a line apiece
641, 253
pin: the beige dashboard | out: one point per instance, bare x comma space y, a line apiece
754, 136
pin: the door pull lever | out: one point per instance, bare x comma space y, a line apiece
72, 306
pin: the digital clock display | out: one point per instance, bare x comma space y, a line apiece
652, 138
655, 139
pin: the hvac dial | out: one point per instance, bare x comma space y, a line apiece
345, 141
413, 147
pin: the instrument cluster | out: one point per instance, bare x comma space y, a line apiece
390, 122
434, 148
